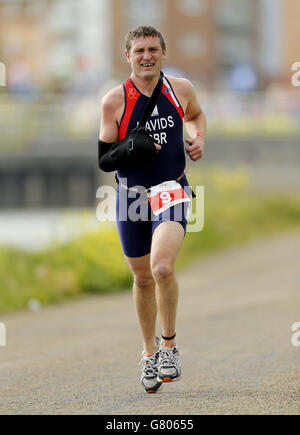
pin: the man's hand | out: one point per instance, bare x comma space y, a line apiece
196, 147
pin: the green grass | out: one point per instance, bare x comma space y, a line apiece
266, 125
94, 263
90, 264
235, 214
231, 224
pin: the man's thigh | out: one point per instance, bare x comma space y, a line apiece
166, 242
135, 235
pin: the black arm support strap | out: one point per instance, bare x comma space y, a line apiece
137, 148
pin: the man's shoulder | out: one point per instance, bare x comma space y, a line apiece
180, 85
114, 98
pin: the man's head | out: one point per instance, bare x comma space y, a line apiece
145, 51
143, 32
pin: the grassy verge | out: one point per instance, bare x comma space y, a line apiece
89, 264
235, 214
93, 263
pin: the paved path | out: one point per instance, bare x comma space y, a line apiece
234, 333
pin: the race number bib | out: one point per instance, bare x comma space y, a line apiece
165, 195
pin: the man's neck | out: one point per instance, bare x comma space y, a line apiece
146, 86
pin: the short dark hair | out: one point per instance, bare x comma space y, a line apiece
143, 32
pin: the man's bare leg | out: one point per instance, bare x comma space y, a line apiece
145, 300
166, 242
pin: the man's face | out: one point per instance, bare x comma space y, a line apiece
146, 57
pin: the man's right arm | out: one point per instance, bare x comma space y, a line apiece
114, 154
111, 104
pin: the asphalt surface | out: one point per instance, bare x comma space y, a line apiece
234, 334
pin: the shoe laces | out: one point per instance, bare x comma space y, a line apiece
168, 357
149, 364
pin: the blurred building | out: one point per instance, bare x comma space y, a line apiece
58, 56
62, 43
223, 44
50, 47
290, 36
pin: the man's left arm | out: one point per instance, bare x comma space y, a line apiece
195, 123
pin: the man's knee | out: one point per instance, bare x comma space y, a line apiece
162, 271
143, 282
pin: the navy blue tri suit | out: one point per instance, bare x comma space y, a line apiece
166, 127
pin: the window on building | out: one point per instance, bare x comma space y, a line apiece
9, 9
232, 50
192, 45
192, 7
140, 12
36, 9
234, 13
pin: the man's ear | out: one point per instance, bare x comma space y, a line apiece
127, 54
164, 54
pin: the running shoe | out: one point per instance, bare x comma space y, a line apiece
149, 372
169, 369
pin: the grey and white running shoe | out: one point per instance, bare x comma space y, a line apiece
149, 372
169, 369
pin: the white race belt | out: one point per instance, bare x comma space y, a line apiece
166, 195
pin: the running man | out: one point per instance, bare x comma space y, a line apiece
151, 246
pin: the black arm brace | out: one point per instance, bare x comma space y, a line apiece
136, 149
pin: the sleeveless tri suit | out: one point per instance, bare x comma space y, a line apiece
166, 127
